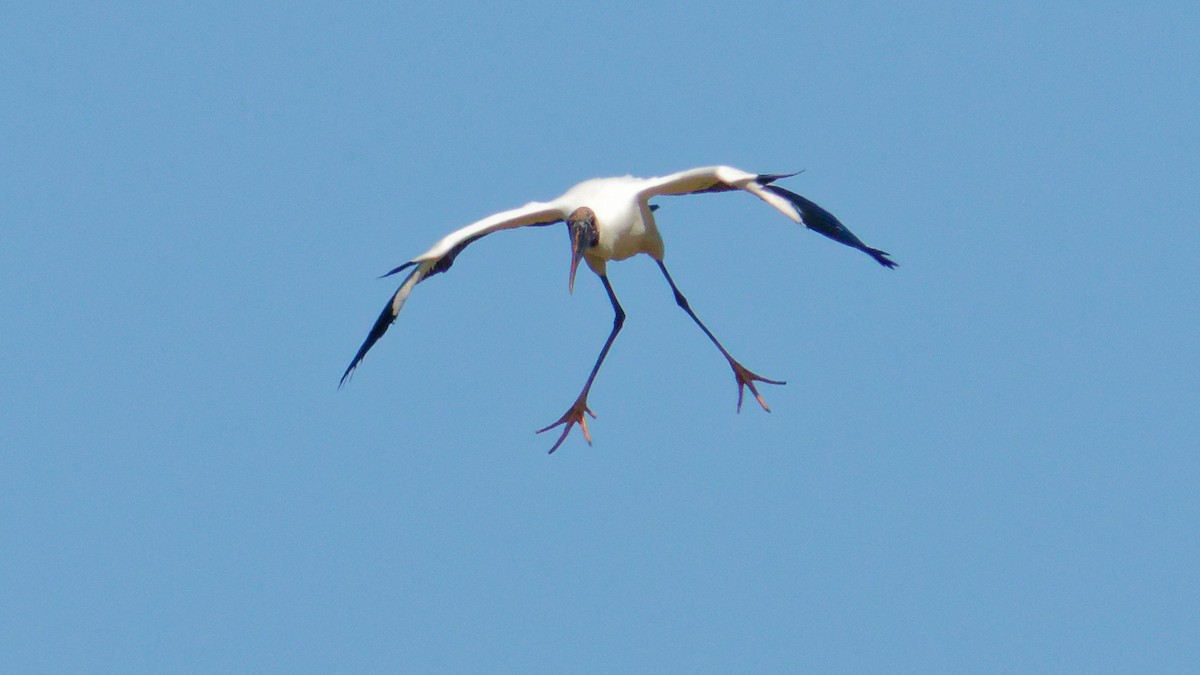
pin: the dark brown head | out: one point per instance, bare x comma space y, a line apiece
581, 226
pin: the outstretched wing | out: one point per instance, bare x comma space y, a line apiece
790, 204
439, 259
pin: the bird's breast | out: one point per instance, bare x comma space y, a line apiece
624, 222
627, 231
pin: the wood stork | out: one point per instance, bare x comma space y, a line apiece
612, 219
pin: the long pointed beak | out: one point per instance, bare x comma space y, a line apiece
576, 256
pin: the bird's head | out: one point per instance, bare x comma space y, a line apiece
581, 226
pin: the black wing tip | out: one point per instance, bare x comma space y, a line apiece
823, 222
349, 370
381, 325
362, 351
768, 178
882, 258
405, 266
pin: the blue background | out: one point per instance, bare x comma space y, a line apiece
983, 461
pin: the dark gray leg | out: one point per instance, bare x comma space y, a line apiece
574, 414
745, 378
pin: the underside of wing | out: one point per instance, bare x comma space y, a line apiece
439, 259
533, 213
790, 204
694, 181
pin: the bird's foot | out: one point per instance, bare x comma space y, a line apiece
573, 416
745, 378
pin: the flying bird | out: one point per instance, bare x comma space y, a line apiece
612, 219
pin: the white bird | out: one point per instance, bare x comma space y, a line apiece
612, 219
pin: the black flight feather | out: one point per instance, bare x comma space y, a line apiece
823, 222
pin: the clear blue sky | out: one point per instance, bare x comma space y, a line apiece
986, 460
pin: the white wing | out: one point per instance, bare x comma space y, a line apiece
533, 213
790, 204
441, 257
720, 179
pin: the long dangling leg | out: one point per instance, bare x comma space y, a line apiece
574, 414
745, 378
